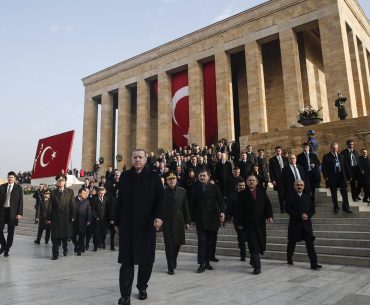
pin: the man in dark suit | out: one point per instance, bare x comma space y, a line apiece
223, 173
334, 172
208, 211
253, 211
276, 165
365, 164
354, 169
139, 214
311, 164
109, 174
245, 165
176, 217
300, 209
263, 168
291, 173
61, 214
11, 211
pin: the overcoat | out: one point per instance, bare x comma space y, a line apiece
140, 201
252, 214
298, 229
16, 202
175, 216
61, 213
83, 215
206, 207
275, 172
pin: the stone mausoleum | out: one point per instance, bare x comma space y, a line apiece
269, 61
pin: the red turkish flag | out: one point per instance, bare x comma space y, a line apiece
180, 109
210, 103
52, 155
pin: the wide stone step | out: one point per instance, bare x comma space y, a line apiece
326, 234
330, 220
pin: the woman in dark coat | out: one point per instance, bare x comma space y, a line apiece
61, 214
254, 209
176, 217
82, 221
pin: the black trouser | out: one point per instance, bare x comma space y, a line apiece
338, 181
100, 234
281, 197
112, 235
6, 244
40, 230
214, 245
310, 251
89, 233
312, 182
356, 183
206, 240
56, 243
241, 241
254, 250
171, 255
78, 240
126, 278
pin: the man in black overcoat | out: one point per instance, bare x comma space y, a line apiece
11, 211
300, 209
41, 217
263, 167
276, 165
335, 174
254, 210
365, 163
223, 173
311, 165
82, 221
139, 213
354, 169
176, 217
60, 216
208, 211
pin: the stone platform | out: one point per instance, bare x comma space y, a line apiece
29, 277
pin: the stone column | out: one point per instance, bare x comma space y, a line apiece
89, 133
224, 92
357, 73
337, 63
365, 76
164, 111
106, 132
124, 127
292, 75
143, 115
196, 104
256, 88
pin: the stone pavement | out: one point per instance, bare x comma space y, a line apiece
29, 277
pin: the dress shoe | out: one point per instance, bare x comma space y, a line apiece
208, 267
142, 294
316, 267
201, 268
46, 242
65, 252
358, 198
170, 272
54, 258
256, 271
347, 211
103, 246
112, 249
290, 262
87, 248
95, 249
214, 259
78, 253
336, 210
175, 265
124, 301
6, 253
36, 242
242, 259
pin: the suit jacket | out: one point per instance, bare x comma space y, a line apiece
328, 167
245, 168
275, 171
302, 161
347, 159
295, 206
263, 168
103, 210
223, 172
206, 207
16, 202
287, 178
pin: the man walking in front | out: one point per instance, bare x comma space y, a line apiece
11, 210
137, 218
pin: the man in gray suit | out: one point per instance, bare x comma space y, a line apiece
11, 210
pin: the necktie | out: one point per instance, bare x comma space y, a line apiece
281, 162
337, 164
353, 159
7, 201
296, 175
308, 162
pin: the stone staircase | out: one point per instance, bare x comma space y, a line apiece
340, 238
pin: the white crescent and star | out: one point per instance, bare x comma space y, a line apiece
179, 94
53, 155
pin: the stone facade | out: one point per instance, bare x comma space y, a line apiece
294, 53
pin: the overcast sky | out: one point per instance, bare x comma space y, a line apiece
47, 46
